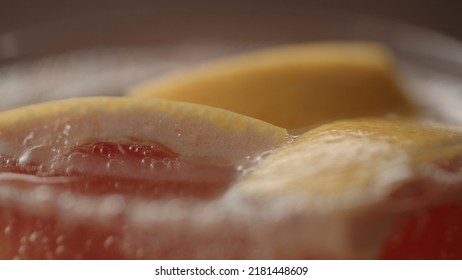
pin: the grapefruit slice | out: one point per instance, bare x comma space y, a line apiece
367, 189
122, 178
293, 86
86, 178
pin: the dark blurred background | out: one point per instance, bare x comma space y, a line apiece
442, 15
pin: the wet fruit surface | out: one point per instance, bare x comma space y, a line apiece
131, 169
101, 171
135, 200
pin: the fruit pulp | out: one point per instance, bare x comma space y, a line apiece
96, 171
433, 233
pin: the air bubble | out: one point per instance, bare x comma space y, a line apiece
60, 239
67, 129
117, 185
146, 161
76, 157
100, 148
154, 165
115, 165
139, 253
176, 164
75, 162
7, 230
42, 168
28, 138
109, 241
59, 250
70, 170
133, 148
113, 205
33, 237
36, 154
22, 249
23, 240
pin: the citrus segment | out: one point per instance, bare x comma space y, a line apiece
293, 86
368, 183
75, 121
73, 172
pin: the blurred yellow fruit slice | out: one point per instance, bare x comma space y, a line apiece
293, 86
355, 183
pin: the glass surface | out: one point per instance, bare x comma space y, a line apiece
104, 54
